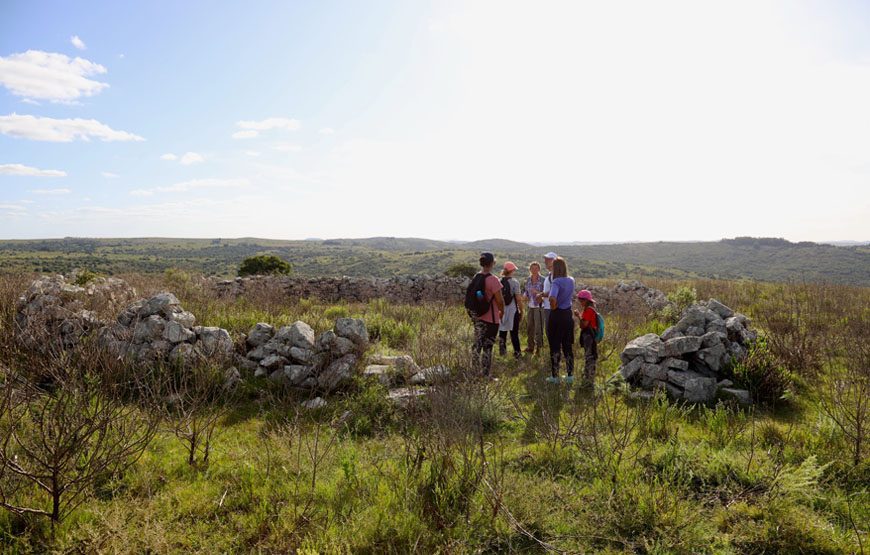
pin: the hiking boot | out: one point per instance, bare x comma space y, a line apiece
569, 380
552, 379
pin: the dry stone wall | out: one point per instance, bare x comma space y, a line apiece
623, 297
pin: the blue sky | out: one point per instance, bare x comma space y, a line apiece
567, 121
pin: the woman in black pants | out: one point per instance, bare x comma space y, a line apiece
560, 326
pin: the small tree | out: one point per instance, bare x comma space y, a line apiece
264, 264
461, 269
67, 432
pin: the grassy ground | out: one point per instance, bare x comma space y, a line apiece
509, 466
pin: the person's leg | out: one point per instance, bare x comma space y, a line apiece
490, 332
553, 340
591, 358
540, 326
530, 330
502, 342
477, 346
515, 336
568, 343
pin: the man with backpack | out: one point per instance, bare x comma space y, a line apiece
485, 305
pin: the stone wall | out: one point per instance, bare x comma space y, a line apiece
623, 297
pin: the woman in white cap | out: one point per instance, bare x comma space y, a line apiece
513, 311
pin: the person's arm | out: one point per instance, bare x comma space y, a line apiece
519, 299
499, 301
552, 294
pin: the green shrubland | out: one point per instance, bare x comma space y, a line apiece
515, 465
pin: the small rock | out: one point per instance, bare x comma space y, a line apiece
648, 344
430, 375
274, 362
681, 345
353, 329
148, 330
302, 356
675, 363
296, 373
337, 374
184, 318
298, 334
740, 395
405, 397
259, 334
629, 370
176, 333
720, 309
316, 403
161, 303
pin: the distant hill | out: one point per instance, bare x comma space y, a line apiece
745, 257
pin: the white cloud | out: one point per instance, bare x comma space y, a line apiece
327, 131
50, 76
286, 147
253, 153
169, 156
21, 169
50, 192
77, 42
16, 207
110, 175
270, 123
193, 184
61, 130
190, 158
252, 128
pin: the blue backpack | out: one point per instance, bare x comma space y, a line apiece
599, 333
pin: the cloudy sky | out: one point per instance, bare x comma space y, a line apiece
537, 121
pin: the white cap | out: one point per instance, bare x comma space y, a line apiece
551, 255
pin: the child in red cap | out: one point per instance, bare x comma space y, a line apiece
588, 327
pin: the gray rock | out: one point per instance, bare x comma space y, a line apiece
699, 390
161, 303
183, 317
259, 353
733, 325
278, 376
405, 397
671, 333
403, 363
430, 375
737, 351
298, 334
631, 369
353, 329
713, 338
651, 373
344, 346
259, 334
720, 309
176, 333
213, 342
680, 377
314, 404
246, 364
717, 326
339, 373
693, 316
724, 383
673, 391
695, 331
642, 395
148, 330
309, 383
384, 373
675, 364
302, 356
645, 345
232, 378
261, 372
183, 353
740, 395
296, 373
713, 357
681, 345
274, 362
325, 341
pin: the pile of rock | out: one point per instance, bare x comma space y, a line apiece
53, 309
688, 360
159, 330
293, 356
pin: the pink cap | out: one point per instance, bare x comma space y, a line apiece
585, 295
509, 266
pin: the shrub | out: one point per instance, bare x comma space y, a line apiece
83, 277
762, 375
680, 300
461, 269
264, 264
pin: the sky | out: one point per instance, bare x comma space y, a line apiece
533, 121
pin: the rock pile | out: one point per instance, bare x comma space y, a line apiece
293, 356
159, 330
54, 309
626, 297
688, 360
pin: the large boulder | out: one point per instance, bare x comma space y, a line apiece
353, 329
338, 374
298, 334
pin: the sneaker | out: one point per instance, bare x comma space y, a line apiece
552, 379
569, 380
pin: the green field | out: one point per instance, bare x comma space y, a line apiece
514, 466
759, 259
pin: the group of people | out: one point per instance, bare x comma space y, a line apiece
497, 307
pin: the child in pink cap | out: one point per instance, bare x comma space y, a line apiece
588, 326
